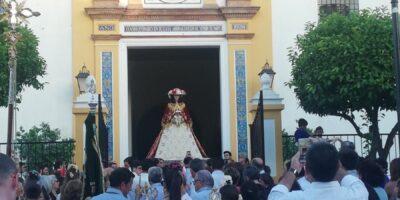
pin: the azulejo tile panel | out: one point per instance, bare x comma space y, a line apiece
241, 101
107, 92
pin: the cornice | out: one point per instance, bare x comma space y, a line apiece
240, 36
198, 14
245, 12
175, 36
106, 37
194, 14
105, 12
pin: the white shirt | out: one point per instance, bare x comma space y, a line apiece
142, 179
304, 183
219, 178
351, 188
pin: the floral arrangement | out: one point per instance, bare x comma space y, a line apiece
176, 92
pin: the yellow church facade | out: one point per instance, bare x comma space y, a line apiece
109, 35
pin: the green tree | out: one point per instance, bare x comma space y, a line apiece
30, 65
42, 146
289, 146
342, 66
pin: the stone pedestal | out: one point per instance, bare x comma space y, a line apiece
272, 125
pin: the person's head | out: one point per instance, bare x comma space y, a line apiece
202, 179
174, 183
302, 123
8, 176
243, 160
32, 190
395, 169
347, 145
113, 164
128, 162
318, 132
196, 165
106, 175
72, 172
234, 173
266, 180
229, 192
146, 164
251, 173
217, 164
44, 170
322, 162
58, 164
383, 164
186, 161
161, 163
121, 178
47, 182
227, 155
155, 175
259, 163
136, 166
349, 158
251, 191
371, 173
73, 190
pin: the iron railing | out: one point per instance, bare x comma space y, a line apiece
41, 154
340, 6
361, 144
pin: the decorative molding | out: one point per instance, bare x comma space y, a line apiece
104, 3
238, 3
240, 36
175, 36
106, 37
174, 14
246, 12
194, 14
107, 92
105, 12
241, 101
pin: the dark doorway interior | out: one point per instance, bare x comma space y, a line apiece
153, 72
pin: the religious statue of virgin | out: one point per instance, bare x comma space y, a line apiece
176, 139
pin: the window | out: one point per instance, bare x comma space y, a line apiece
340, 6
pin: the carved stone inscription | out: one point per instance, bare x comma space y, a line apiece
183, 28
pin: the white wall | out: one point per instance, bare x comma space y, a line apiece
53, 104
288, 20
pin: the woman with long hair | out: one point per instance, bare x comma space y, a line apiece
174, 183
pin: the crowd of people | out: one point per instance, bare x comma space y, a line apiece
320, 172
326, 174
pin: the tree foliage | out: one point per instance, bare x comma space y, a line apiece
42, 146
30, 65
342, 65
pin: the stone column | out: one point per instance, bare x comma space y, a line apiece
272, 124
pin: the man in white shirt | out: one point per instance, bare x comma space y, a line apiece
217, 174
329, 181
